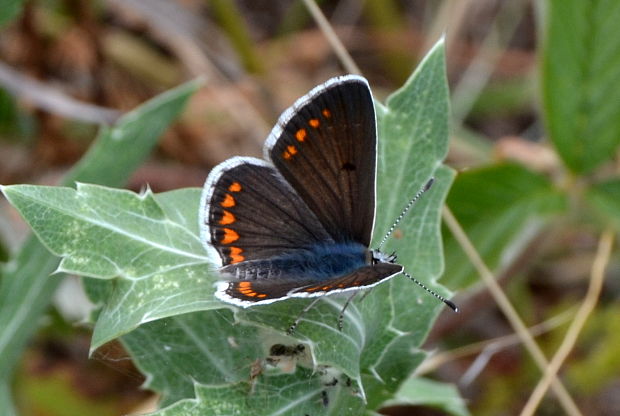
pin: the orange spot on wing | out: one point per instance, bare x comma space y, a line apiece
292, 150
228, 201
300, 135
236, 256
286, 155
230, 236
234, 187
227, 218
325, 287
244, 285
236, 259
314, 122
326, 113
262, 295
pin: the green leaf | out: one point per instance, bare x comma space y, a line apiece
115, 233
282, 395
106, 233
605, 199
413, 132
420, 391
204, 347
6, 402
500, 208
26, 286
581, 64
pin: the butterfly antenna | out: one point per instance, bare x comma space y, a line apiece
404, 211
450, 304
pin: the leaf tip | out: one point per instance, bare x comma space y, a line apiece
146, 192
439, 45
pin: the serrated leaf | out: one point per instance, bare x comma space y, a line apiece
416, 120
581, 61
282, 395
160, 264
500, 208
114, 233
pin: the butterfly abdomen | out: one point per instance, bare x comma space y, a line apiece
317, 262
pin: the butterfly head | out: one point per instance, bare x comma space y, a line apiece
380, 257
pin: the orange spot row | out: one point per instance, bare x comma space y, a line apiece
302, 134
230, 236
246, 289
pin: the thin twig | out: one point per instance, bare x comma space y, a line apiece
504, 304
597, 276
477, 75
332, 38
52, 100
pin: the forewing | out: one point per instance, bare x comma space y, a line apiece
325, 147
248, 212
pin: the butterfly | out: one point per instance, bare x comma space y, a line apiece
299, 222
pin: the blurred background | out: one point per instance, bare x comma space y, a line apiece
69, 66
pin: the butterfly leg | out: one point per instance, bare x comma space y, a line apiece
344, 308
291, 329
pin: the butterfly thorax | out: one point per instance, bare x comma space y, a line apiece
317, 262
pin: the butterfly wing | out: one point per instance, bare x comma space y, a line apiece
260, 291
363, 277
319, 192
249, 212
325, 146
